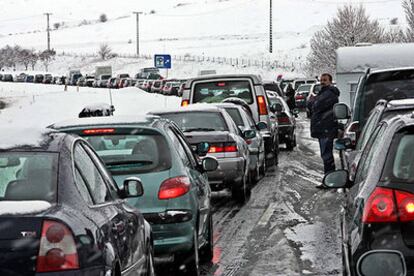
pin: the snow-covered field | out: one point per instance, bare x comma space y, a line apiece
225, 28
36, 106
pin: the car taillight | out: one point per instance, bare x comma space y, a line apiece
405, 202
185, 103
262, 105
380, 207
222, 147
283, 120
174, 187
57, 250
299, 97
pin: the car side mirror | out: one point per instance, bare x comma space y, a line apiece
295, 112
261, 126
209, 164
382, 263
132, 187
341, 111
202, 148
336, 179
343, 144
249, 134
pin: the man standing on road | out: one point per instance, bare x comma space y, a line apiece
323, 124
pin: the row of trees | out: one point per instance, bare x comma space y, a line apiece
351, 26
11, 57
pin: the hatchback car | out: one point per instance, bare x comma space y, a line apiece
157, 86
62, 214
171, 88
286, 120
249, 88
379, 212
211, 124
176, 201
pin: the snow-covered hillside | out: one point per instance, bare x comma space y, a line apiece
226, 28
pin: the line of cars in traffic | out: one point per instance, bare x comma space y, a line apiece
119, 195
378, 167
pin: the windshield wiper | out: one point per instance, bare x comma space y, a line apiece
128, 162
199, 129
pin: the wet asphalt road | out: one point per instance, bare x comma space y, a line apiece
288, 227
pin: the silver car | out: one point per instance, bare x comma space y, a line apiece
251, 134
211, 124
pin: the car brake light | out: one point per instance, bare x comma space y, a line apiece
98, 131
405, 202
185, 103
216, 149
221, 84
57, 250
262, 105
380, 207
174, 187
230, 148
226, 147
299, 97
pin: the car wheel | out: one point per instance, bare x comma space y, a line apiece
263, 168
192, 266
241, 191
150, 265
207, 251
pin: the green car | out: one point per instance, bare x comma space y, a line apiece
176, 199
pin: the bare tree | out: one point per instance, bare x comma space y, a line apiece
408, 6
33, 58
46, 57
350, 26
104, 51
395, 34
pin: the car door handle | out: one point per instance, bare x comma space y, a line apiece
118, 227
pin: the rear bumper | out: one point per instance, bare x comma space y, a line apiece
300, 103
229, 171
285, 133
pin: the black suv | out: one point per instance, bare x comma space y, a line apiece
379, 211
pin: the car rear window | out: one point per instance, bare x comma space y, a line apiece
304, 88
392, 85
217, 91
403, 162
235, 115
28, 176
142, 151
198, 121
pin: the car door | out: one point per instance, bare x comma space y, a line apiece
360, 191
114, 226
127, 223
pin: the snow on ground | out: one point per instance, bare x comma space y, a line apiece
38, 106
225, 28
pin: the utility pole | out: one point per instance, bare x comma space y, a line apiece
48, 30
271, 28
137, 14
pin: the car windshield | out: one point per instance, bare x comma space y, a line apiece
198, 121
304, 88
143, 152
388, 85
105, 77
235, 115
298, 83
216, 92
28, 176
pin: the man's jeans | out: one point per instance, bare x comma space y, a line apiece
326, 146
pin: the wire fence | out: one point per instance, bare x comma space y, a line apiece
234, 62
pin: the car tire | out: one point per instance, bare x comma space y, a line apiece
192, 265
207, 251
263, 168
241, 191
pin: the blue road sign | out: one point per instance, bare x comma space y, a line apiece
162, 61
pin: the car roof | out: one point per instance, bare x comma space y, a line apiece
141, 120
190, 108
30, 139
257, 80
396, 104
391, 70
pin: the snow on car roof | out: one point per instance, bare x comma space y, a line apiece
398, 104
108, 120
379, 56
13, 137
22, 207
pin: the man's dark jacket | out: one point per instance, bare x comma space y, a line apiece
323, 123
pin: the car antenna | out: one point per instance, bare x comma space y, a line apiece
111, 102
